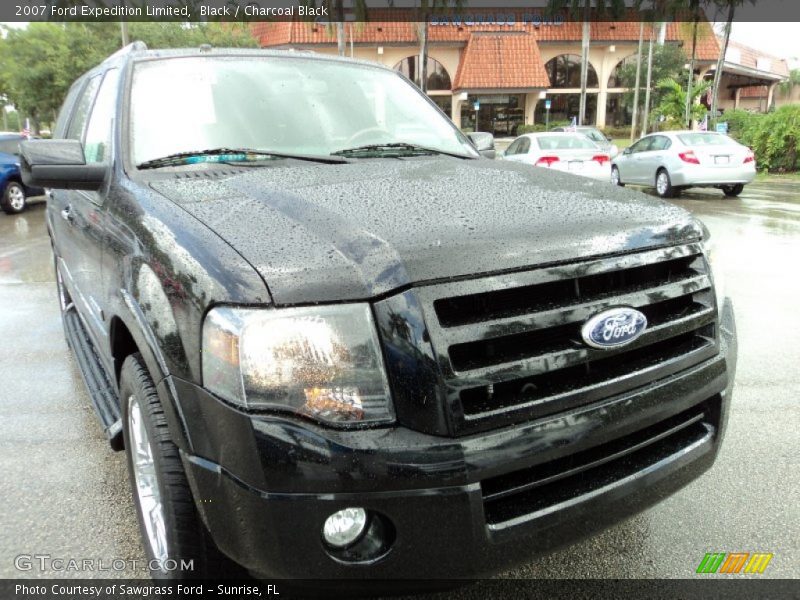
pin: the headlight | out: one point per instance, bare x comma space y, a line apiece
323, 362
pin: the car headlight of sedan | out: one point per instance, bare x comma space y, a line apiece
323, 362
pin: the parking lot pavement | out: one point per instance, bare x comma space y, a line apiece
65, 493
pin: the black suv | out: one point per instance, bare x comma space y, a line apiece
335, 341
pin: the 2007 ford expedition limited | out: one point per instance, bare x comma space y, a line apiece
336, 342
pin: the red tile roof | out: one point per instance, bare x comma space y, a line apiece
501, 61
749, 57
382, 29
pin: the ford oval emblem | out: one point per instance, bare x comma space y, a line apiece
614, 327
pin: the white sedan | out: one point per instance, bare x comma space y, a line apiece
672, 161
564, 151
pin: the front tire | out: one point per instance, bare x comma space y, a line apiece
615, 177
168, 519
14, 199
664, 185
732, 190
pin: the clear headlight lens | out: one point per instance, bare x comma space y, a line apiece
323, 362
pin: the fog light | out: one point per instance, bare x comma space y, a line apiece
344, 527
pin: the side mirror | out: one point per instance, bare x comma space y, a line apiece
59, 164
609, 138
483, 142
627, 150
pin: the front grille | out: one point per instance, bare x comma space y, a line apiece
510, 348
539, 489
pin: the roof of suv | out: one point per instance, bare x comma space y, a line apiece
139, 51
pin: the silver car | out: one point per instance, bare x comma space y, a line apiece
675, 160
598, 137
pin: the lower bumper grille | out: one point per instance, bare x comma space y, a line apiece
542, 488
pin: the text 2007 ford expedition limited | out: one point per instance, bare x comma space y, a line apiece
336, 342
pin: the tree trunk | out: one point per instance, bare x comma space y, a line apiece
422, 34
687, 117
646, 116
584, 62
721, 62
341, 42
638, 81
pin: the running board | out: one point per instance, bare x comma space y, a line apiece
101, 390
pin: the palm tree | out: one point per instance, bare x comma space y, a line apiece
731, 6
584, 7
635, 112
674, 101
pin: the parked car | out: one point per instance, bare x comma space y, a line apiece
598, 137
14, 193
676, 160
569, 152
334, 342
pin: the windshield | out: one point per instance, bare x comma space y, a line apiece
593, 134
290, 105
565, 142
705, 139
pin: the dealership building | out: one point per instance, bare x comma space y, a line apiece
493, 76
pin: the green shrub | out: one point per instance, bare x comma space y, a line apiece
774, 137
535, 128
618, 132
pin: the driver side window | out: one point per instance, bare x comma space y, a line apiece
514, 147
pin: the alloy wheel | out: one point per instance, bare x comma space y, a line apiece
147, 488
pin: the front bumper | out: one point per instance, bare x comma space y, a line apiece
265, 485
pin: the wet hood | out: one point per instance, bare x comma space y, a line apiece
321, 233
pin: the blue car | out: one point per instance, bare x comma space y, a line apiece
13, 193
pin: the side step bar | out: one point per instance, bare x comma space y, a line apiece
100, 387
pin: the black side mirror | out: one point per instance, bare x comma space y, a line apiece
59, 164
627, 150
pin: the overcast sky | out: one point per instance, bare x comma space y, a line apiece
779, 39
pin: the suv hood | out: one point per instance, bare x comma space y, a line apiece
323, 233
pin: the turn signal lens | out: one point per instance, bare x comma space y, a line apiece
689, 157
547, 161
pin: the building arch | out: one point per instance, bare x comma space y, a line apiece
564, 71
614, 80
438, 77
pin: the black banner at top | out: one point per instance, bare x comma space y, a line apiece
463, 13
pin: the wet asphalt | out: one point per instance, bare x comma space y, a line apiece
65, 494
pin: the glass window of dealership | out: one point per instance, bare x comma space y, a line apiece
501, 111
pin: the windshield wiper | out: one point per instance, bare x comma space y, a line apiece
229, 155
391, 149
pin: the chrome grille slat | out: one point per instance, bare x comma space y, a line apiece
571, 313
558, 360
430, 293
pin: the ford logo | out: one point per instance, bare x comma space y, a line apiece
614, 327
